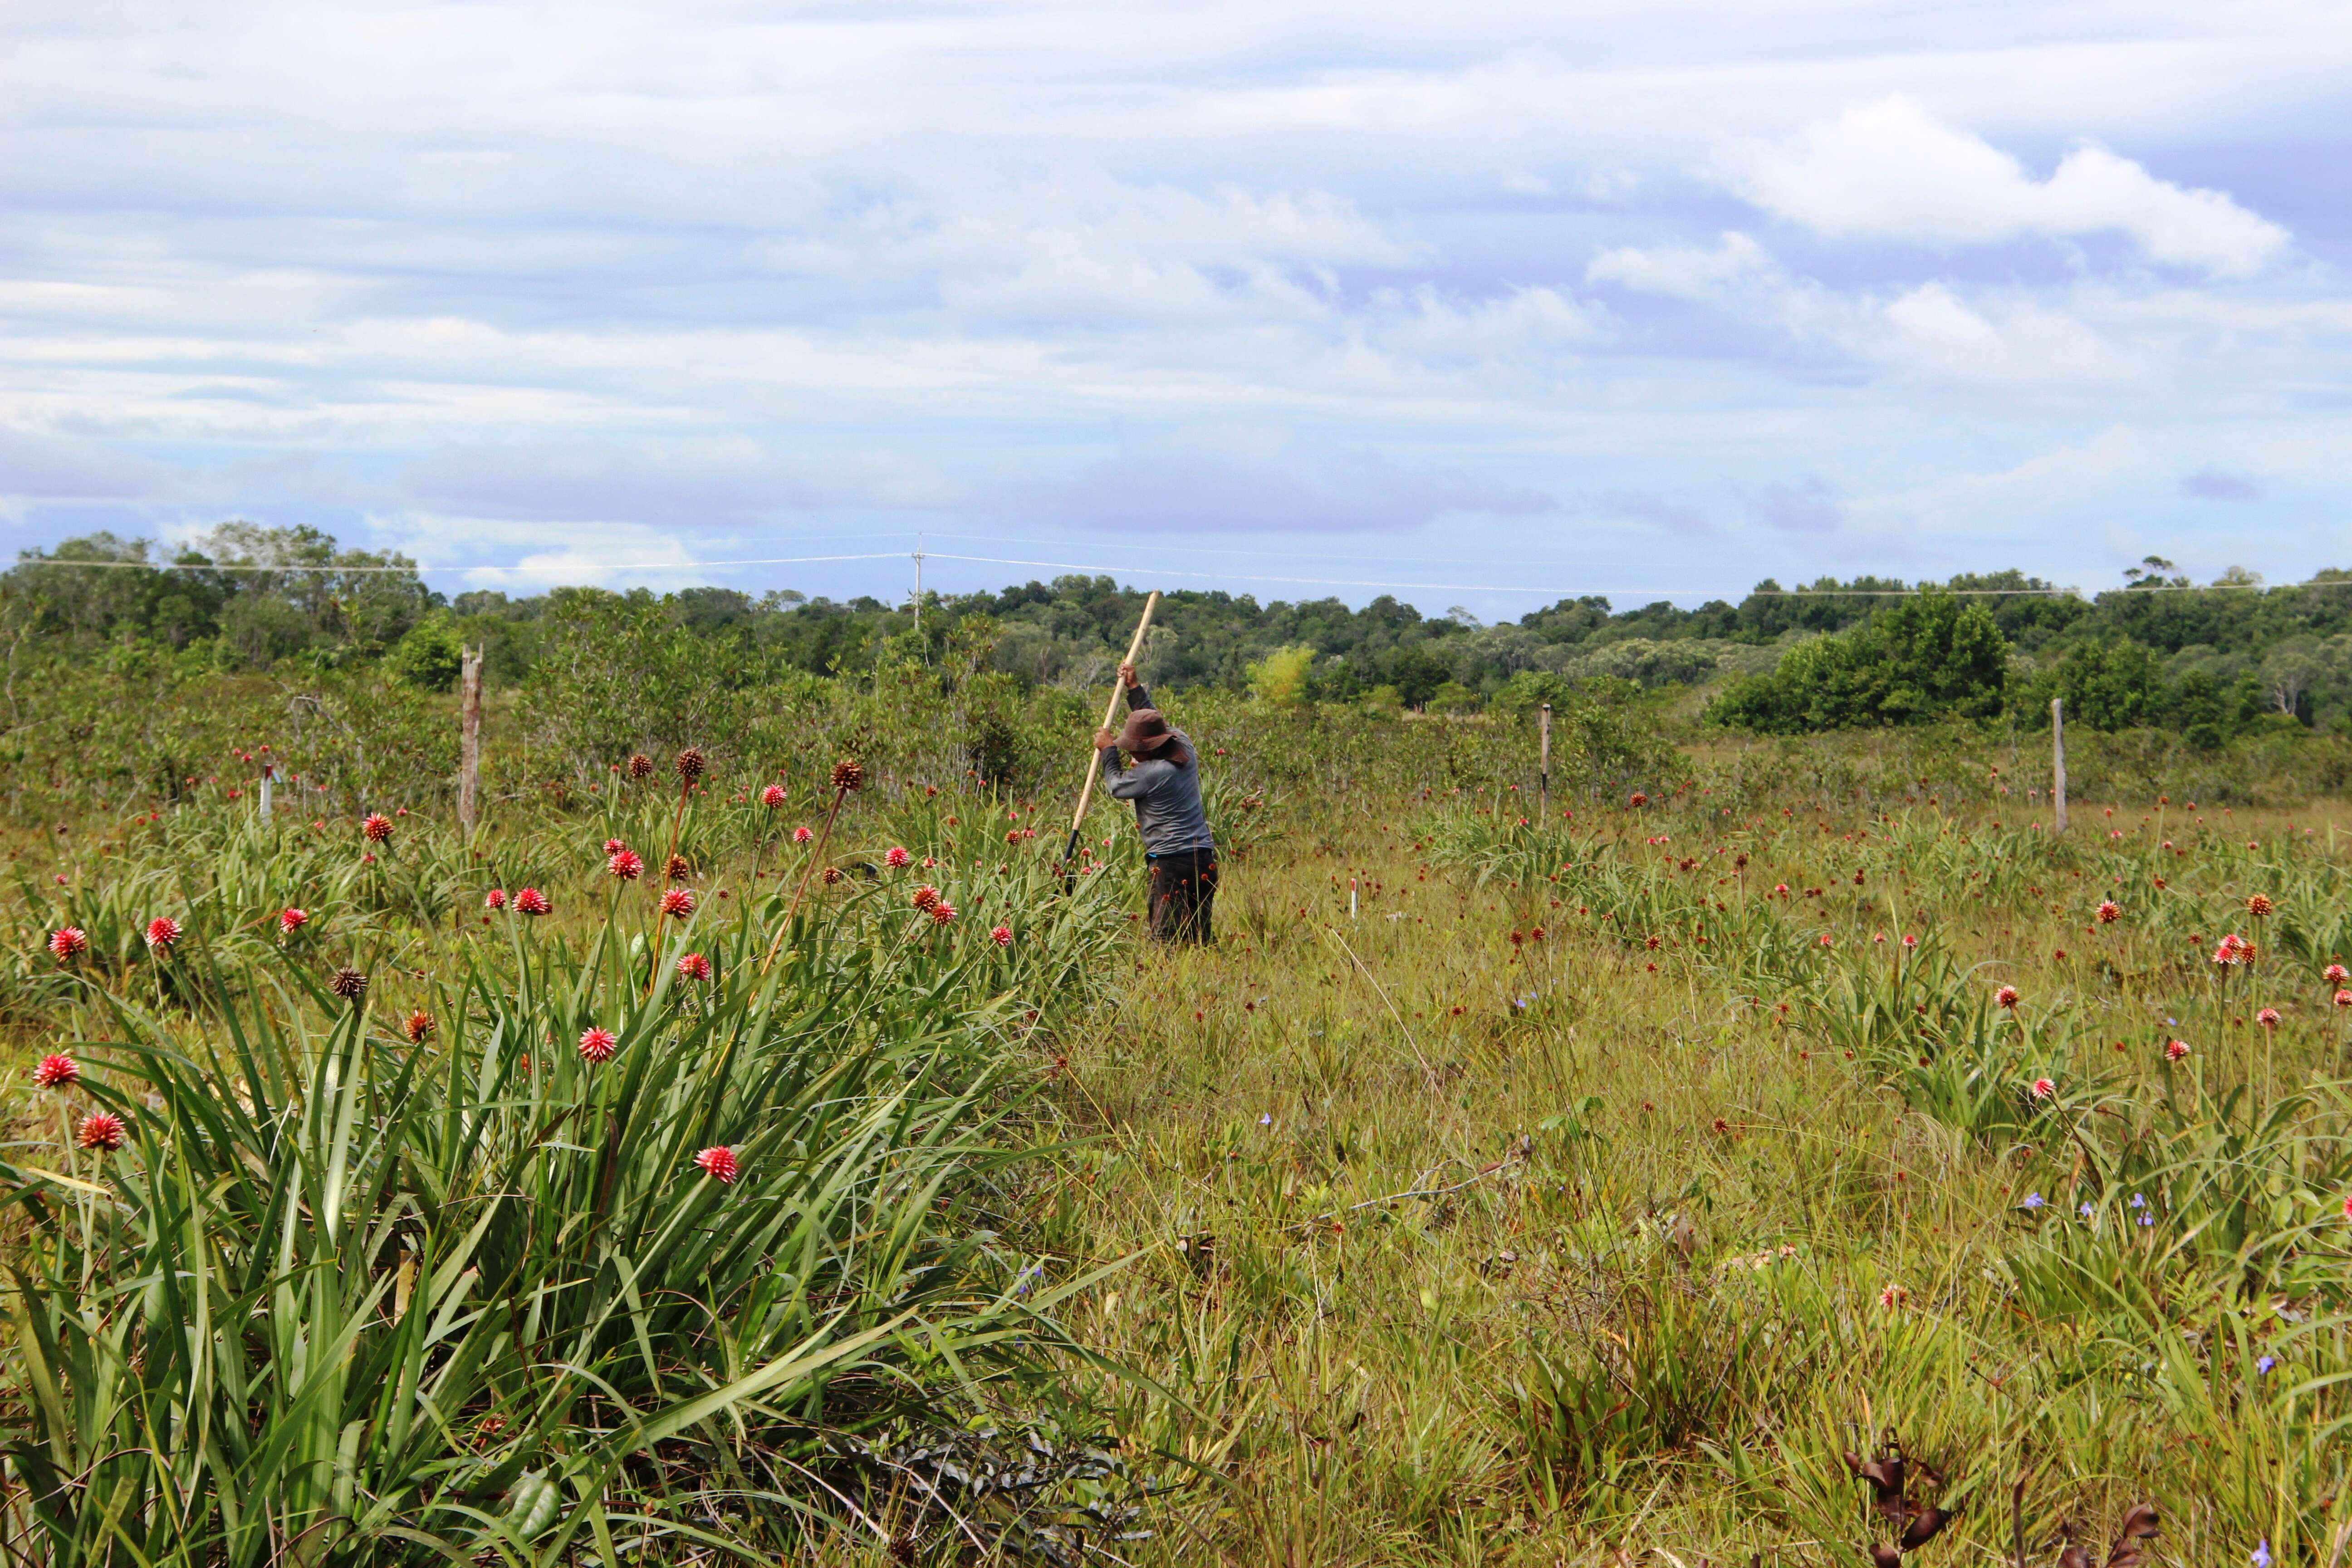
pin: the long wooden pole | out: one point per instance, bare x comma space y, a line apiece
1094, 758
469, 739
2058, 758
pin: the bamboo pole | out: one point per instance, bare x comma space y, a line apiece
1094, 758
2058, 758
470, 739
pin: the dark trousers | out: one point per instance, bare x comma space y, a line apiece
1183, 894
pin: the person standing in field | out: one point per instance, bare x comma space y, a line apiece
1163, 779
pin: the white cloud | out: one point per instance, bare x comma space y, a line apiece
1890, 170
1683, 270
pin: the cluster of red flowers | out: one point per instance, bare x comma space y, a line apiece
2176, 1049
719, 1163
68, 942
290, 920
773, 796
162, 932
678, 903
895, 858
495, 898
57, 1070
531, 901
694, 966
597, 1045
2109, 912
926, 898
2258, 906
1000, 936
377, 828
2234, 950
624, 863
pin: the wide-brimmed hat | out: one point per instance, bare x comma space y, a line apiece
1145, 733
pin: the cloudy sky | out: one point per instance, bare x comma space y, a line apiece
1501, 299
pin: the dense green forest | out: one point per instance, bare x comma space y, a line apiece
2209, 662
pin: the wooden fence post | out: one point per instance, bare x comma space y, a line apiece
470, 739
2058, 758
1543, 772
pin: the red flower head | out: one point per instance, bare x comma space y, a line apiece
1651, 942
598, 1044
802, 836
773, 796
2005, 997
68, 942
417, 1027
531, 901
674, 869
377, 828
2176, 1049
2268, 1017
2335, 974
694, 966
2109, 912
926, 896
2043, 1088
1910, 941
100, 1129
1000, 936
625, 864
1640, 799
2259, 905
719, 1163
162, 932
614, 845
2344, 998
57, 1070
895, 858
290, 920
641, 766
943, 912
678, 903
495, 898
931, 860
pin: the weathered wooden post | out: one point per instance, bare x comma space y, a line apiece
2058, 758
470, 739
268, 777
1543, 768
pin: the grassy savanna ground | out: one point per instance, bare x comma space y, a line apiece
1457, 1244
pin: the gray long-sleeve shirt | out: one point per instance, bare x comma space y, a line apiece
1167, 794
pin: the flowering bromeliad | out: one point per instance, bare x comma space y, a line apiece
57, 1070
718, 1163
895, 858
598, 1044
162, 932
495, 898
290, 920
694, 966
926, 898
678, 903
531, 901
625, 864
943, 912
377, 828
773, 796
68, 943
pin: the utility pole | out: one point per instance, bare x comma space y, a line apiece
2058, 758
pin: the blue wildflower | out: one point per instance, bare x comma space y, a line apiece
2262, 1365
2085, 1211
2262, 1557
2033, 1201
2139, 1202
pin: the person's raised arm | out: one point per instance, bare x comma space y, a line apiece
1137, 696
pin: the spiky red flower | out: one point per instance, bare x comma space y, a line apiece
57, 1070
1910, 941
597, 1045
2175, 1049
495, 898
68, 943
2344, 998
2259, 905
895, 858
1000, 936
2110, 913
162, 932
2043, 1088
614, 845
417, 1026
694, 966
100, 1129
926, 896
377, 828
802, 836
943, 912
531, 901
2005, 997
2234, 950
1640, 799
1651, 942
625, 864
719, 1163
2268, 1017
290, 920
678, 903
773, 796
2335, 974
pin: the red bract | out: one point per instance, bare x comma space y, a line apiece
2005, 997
625, 864
1000, 936
290, 920
1640, 799
718, 1163
377, 828
417, 1027
2259, 905
598, 1044
2176, 1049
162, 932
678, 903
531, 901
926, 896
2109, 912
943, 912
2043, 1088
2335, 974
495, 900
614, 845
2344, 998
773, 796
895, 858
100, 1129
2268, 1017
57, 1070
68, 942
694, 966
802, 836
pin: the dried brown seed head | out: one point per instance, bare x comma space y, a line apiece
691, 764
847, 777
641, 766
348, 984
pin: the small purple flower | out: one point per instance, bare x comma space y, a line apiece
2262, 1557
2262, 1365
2139, 1202
2086, 1210
2033, 1201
